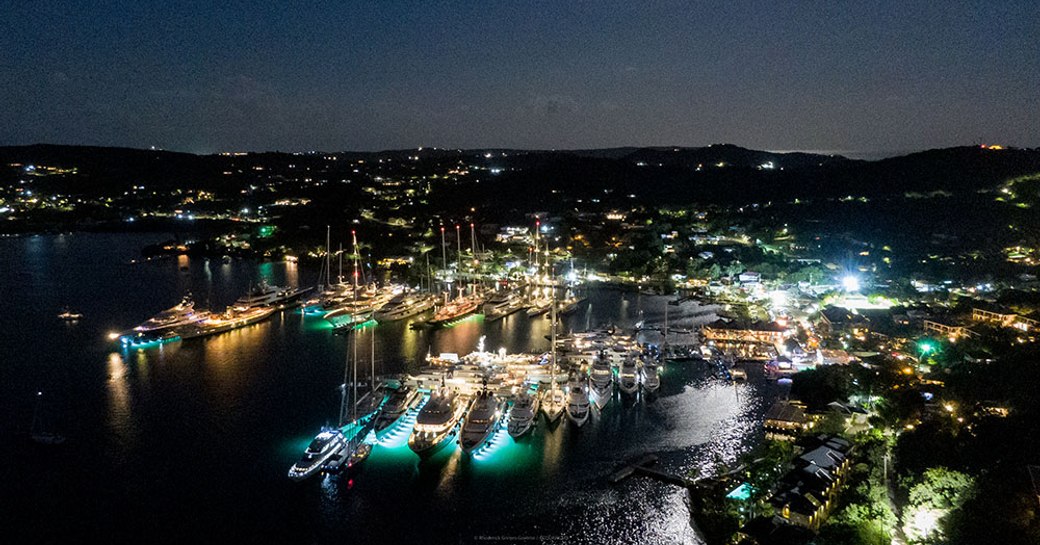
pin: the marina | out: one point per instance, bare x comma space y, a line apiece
278, 380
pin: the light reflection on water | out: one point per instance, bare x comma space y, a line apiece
222, 418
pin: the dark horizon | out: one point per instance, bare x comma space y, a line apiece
877, 77
860, 155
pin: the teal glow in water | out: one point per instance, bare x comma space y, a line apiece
195, 430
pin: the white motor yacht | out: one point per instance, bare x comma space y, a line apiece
578, 403
628, 377
601, 382
650, 377
522, 414
324, 446
437, 422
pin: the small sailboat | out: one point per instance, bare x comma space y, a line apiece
37, 432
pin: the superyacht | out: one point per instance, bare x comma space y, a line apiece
481, 421
601, 382
522, 414
578, 403
628, 377
405, 305
325, 445
437, 422
401, 400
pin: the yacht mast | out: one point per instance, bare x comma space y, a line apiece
473, 243
353, 234
444, 251
553, 337
343, 398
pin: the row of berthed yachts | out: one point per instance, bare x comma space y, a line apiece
470, 400
346, 305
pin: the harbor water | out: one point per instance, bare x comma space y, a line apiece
190, 441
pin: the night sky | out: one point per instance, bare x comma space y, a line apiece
210, 76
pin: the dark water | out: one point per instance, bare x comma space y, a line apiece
190, 442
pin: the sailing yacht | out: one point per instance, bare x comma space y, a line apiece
454, 310
601, 382
522, 414
481, 421
553, 400
628, 377
578, 403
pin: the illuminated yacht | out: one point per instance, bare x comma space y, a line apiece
266, 295
437, 422
183, 313
601, 382
455, 310
502, 304
553, 403
578, 403
628, 377
481, 421
396, 406
522, 414
650, 376
405, 305
325, 445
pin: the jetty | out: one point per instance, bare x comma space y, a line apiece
641, 466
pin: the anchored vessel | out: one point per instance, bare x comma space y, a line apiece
481, 421
437, 422
68, 315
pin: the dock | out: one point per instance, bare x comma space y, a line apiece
641, 466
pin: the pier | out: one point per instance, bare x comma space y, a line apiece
641, 466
